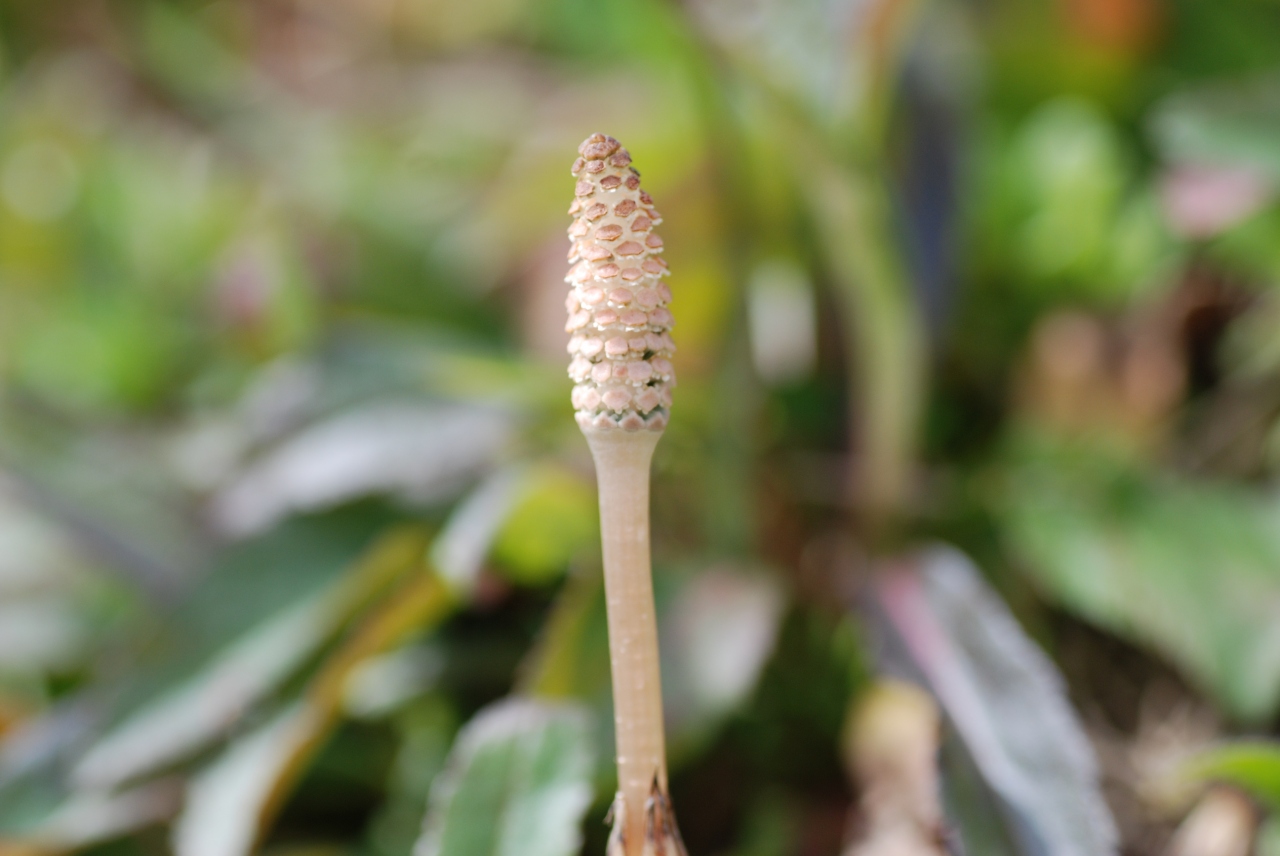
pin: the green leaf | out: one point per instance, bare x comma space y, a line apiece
1252, 765
1065, 213
425, 452
935, 616
1191, 569
1233, 124
571, 657
717, 630
1268, 842
554, 522
95, 817
227, 801
463, 545
236, 797
189, 59
517, 784
201, 709
426, 729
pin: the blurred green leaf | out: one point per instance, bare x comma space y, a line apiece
463, 545
383, 684
1268, 840
1252, 247
423, 452
135, 352
228, 799
159, 213
935, 617
1228, 123
238, 795
103, 491
819, 54
427, 728
94, 817
1252, 765
571, 656
1066, 212
207, 705
554, 522
1192, 569
718, 629
188, 57
517, 784
55, 606
971, 803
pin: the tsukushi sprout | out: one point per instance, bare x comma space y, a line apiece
621, 350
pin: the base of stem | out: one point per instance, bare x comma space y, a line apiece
661, 835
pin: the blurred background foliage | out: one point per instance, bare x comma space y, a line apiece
298, 548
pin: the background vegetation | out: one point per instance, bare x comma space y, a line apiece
297, 534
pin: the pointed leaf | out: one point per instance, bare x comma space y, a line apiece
460, 549
1191, 569
95, 817
718, 632
517, 784
225, 803
571, 656
1004, 697
421, 452
204, 707
235, 798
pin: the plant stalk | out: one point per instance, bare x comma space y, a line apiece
621, 352
622, 461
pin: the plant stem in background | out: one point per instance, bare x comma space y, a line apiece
888, 356
891, 745
842, 172
621, 348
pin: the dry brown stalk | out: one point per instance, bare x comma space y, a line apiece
891, 747
1223, 823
